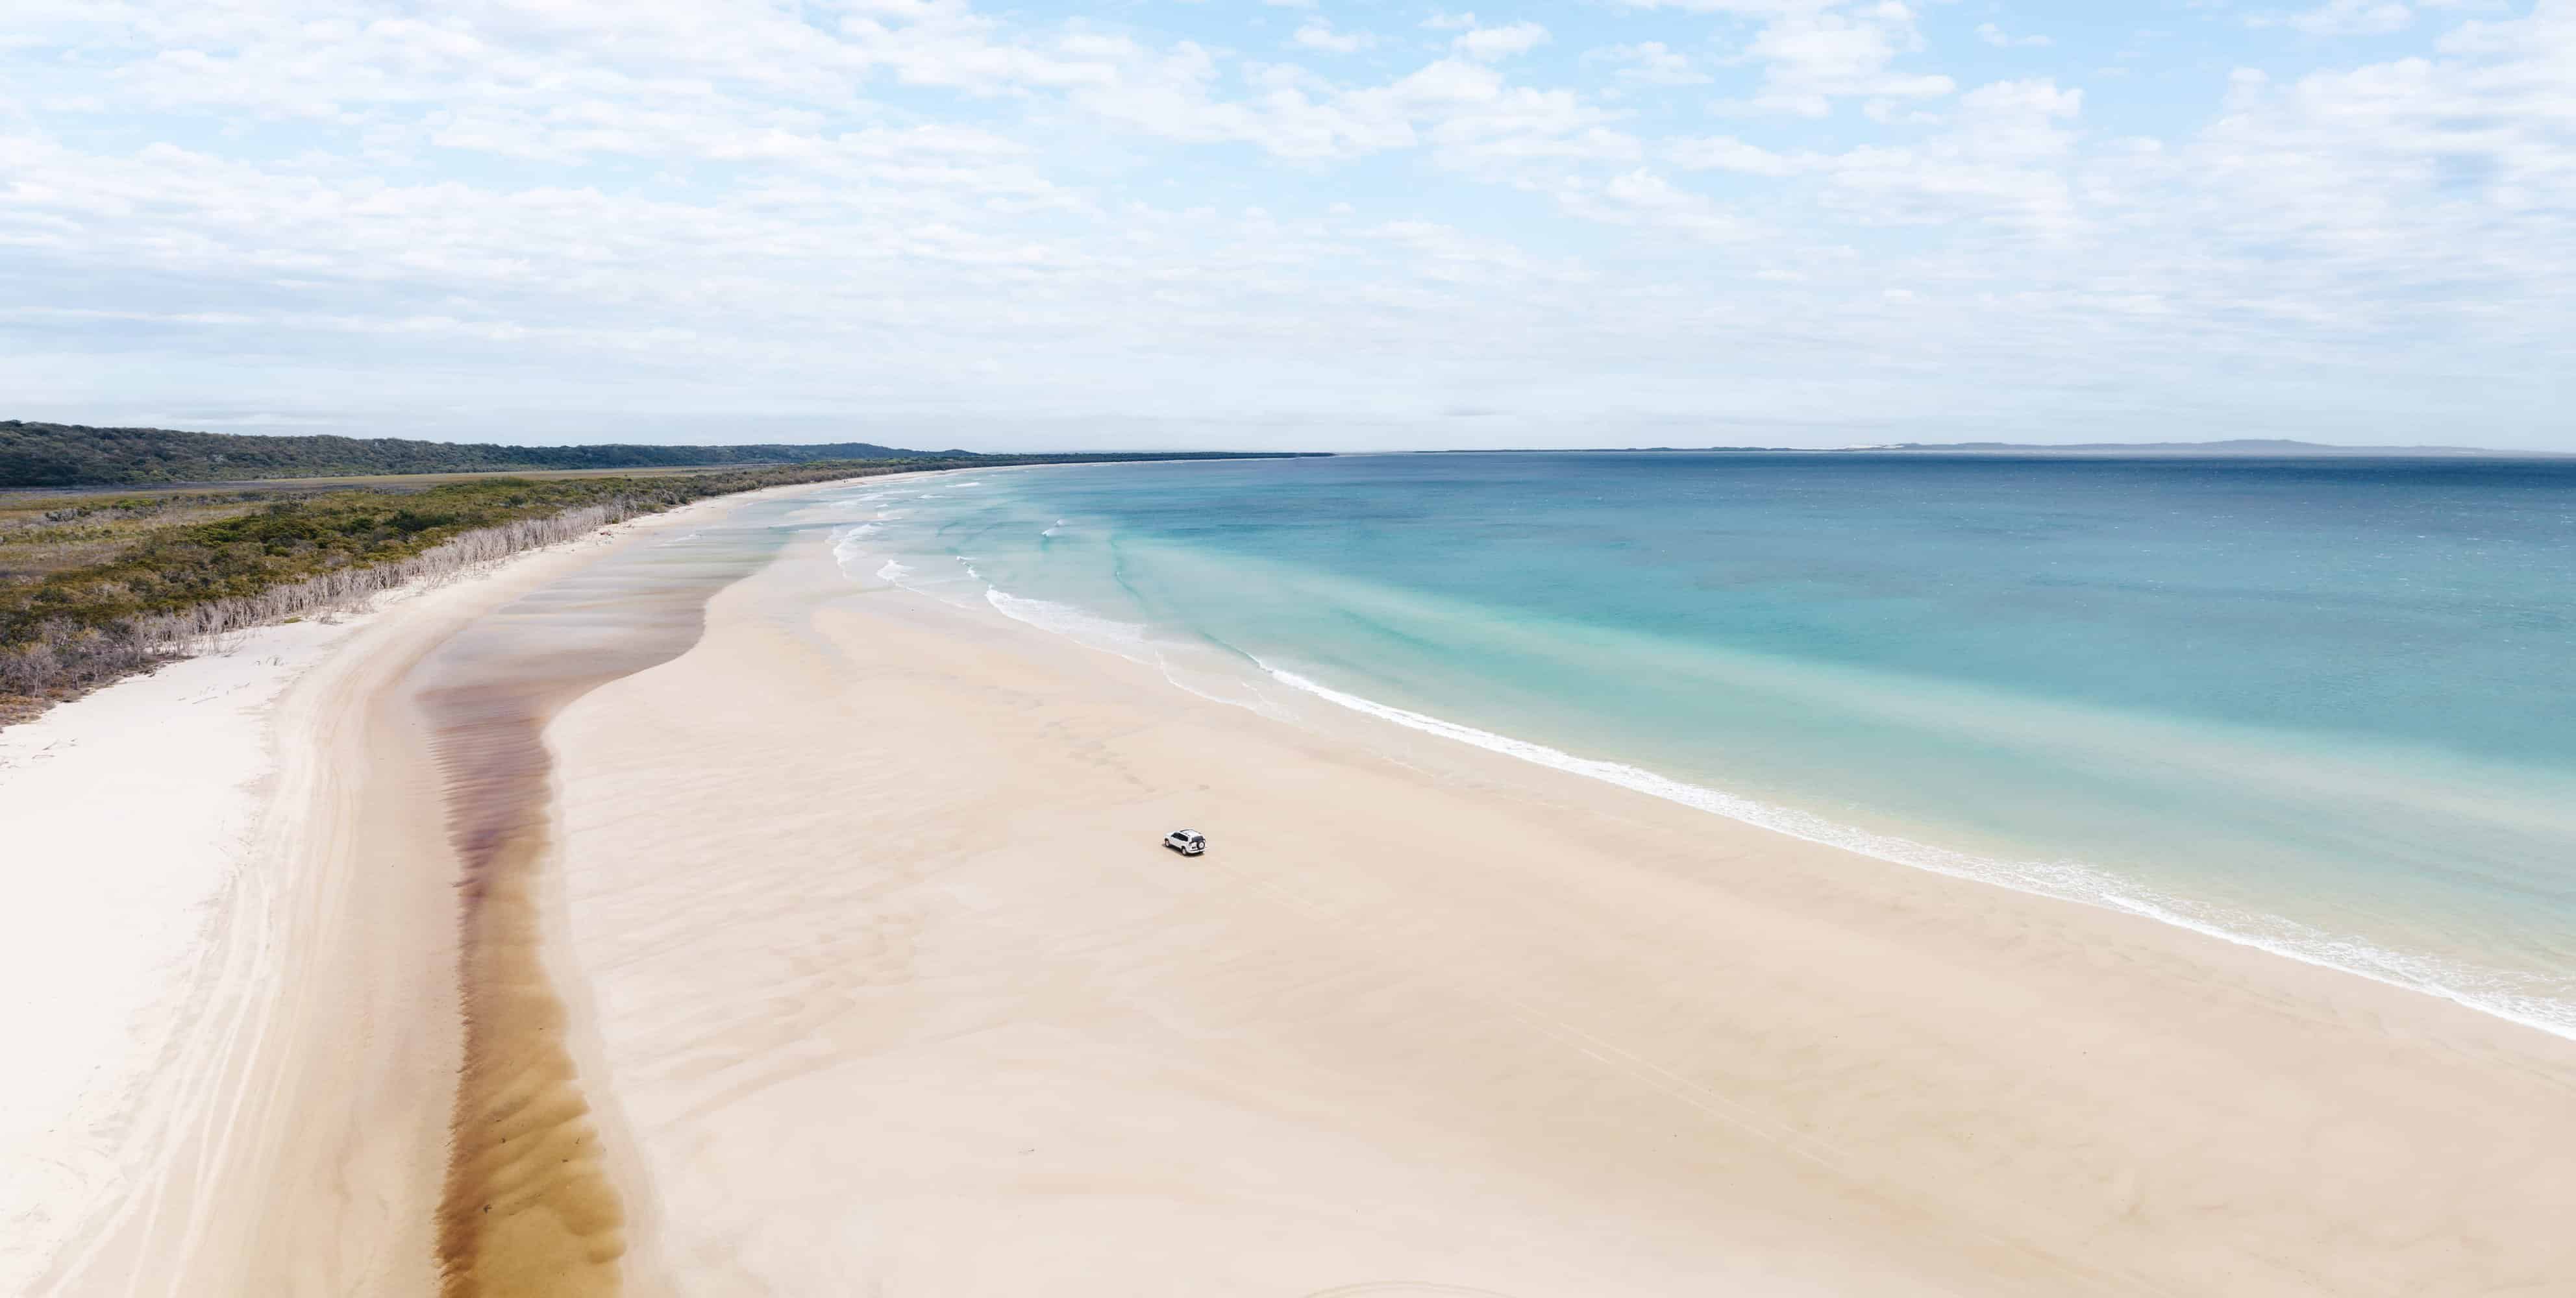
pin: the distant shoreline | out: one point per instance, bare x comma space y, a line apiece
2242, 448
73, 456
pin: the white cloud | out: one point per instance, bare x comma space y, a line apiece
1446, 253
1650, 63
2004, 160
1726, 153
2341, 18
1490, 43
1478, 122
2001, 39
624, 209
1815, 54
1643, 198
1736, 8
1319, 35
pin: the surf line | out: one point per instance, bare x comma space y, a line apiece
528, 1206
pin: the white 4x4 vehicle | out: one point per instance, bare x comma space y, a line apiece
1187, 842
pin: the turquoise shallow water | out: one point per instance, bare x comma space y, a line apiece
2321, 706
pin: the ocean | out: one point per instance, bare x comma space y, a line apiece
2319, 706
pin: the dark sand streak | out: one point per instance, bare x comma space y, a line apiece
529, 1207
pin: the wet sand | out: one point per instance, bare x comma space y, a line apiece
529, 1208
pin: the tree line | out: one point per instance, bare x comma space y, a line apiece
72, 455
177, 589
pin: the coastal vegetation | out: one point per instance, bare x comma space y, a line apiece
72, 455
101, 585
93, 589
67, 455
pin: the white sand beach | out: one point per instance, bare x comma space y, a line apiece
887, 985
229, 961
877, 981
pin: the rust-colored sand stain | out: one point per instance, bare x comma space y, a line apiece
529, 1207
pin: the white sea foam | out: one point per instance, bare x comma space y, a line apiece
1129, 640
2489, 992
1124, 638
962, 589
2064, 880
848, 548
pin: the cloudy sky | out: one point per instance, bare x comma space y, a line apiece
1326, 223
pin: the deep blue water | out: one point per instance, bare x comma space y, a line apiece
2319, 705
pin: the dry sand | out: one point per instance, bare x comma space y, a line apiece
851, 925
232, 965
882, 985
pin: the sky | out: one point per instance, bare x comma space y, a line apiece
1322, 224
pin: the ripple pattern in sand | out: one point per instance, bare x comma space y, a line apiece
529, 1207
